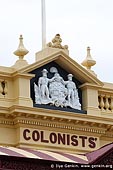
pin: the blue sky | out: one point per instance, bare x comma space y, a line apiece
81, 23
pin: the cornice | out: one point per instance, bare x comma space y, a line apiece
74, 67
105, 90
6, 122
35, 117
25, 75
15, 74
58, 125
100, 129
64, 125
56, 114
39, 63
90, 86
5, 75
110, 135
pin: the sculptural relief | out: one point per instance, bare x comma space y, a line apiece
57, 88
42, 90
72, 93
56, 91
56, 43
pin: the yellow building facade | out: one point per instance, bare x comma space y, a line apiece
25, 124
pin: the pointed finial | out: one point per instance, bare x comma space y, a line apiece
88, 62
21, 51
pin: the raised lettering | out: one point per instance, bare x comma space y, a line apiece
25, 134
61, 138
53, 137
83, 140
68, 139
35, 135
92, 142
42, 137
74, 140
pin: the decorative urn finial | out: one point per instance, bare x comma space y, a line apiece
88, 62
21, 50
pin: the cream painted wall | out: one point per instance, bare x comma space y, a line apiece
17, 111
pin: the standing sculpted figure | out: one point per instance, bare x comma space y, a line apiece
71, 88
72, 93
43, 85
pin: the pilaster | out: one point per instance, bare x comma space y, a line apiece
90, 99
22, 89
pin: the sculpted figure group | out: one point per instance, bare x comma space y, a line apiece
56, 91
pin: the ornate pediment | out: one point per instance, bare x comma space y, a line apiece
54, 92
61, 57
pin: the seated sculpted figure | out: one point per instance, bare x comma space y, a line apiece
57, 88
57, 78
56, 42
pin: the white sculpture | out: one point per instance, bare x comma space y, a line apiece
43, 85
57, 88
72, 93
42, 91
56, 91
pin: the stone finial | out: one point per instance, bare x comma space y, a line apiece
21, 50
56, 43
88, 62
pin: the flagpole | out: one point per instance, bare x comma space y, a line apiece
43, 24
